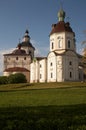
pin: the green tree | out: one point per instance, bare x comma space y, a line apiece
17, 78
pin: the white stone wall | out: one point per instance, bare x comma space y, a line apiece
51, 67
43, 70
17, 61
70, 66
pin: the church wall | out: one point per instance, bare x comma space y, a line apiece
60, 75
17, 61
69, 37
51, 67
34, 71
70, 68
43, 70
58, 40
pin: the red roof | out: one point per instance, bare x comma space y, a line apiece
61, 27
16, 69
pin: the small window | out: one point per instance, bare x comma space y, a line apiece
51, 75
70, 63
40, 76
24, 58
40, 65
29, 52
70, 74
16, 58
59, 44
68, 43
51, 64
52, 45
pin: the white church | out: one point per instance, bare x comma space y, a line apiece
62, 63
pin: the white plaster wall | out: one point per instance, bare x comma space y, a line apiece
10, 61
43, 70
51, 69
73, 68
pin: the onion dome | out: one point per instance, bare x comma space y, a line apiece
61, 15
61, 26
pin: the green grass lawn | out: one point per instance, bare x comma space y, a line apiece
52, 106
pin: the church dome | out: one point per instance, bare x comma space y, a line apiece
26, 40
61, 15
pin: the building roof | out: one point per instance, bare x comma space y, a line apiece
26, 44
16, 69
61, 27
17, 52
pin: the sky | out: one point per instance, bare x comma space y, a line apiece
38, 16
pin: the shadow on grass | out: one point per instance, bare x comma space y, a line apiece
44, 118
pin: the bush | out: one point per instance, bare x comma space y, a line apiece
3, 79
17, 78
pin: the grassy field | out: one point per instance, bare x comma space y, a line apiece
45, 106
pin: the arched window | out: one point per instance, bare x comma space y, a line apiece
51, 64
70, 74
59, 44
52, 46
70, 63
68, 43
51, 75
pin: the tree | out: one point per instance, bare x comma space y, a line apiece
17, 78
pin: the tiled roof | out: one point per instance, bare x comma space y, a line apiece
16, 69
61, 27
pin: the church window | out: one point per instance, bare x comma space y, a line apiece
51, 64
52, 45
24, 58
70, 74
59, 44
16, 58
40, 65
68, 43
70, 63
51, 75
29, 52
40, 76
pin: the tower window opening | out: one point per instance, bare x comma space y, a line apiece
59, 44
68, 43
51, 64
40, 76
70, 63
52, 45
40, 66
16, 58
70, 74
24, 58
51, 75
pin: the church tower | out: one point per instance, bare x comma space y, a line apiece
62, 37
62, 61
27, 45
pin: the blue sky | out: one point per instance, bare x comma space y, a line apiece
37, 16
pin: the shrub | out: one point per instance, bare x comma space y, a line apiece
3, 79
17, 78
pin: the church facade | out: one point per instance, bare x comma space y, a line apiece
19, 60
61, 64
